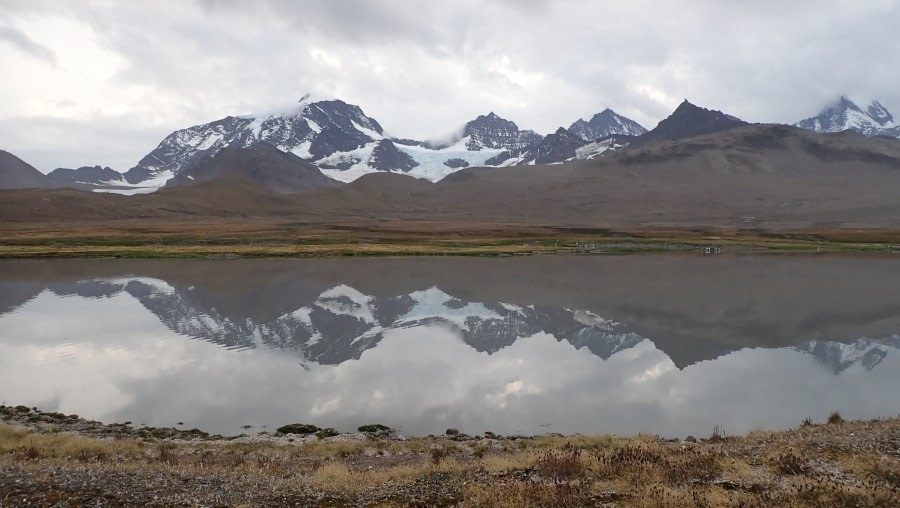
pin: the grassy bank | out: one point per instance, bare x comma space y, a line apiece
45, 462
224, 244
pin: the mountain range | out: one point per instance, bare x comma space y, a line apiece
693, 308
699, 170
344, 143
340, 323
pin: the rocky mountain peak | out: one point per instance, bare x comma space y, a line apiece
315, 130
844, 114
606, 123
493, 132
489, 121
690, 120
86, 175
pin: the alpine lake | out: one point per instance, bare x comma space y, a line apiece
668, 344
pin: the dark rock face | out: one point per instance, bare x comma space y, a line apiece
333, 139
262, 163
316, 130
491, 131
606, 123
689, 120
557, 147
456, 163
92, 175
500, 158
387, 157
554, 148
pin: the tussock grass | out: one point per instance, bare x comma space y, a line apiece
33, 445
851, 464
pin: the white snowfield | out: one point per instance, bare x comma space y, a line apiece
430, 162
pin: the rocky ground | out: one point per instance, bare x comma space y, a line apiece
51, 459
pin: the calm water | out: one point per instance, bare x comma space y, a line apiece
671, 345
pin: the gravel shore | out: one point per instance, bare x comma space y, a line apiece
51, 459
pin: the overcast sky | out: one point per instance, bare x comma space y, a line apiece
102, 82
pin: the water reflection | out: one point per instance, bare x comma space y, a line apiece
426, 345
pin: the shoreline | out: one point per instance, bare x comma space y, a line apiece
46, 458
217, 248
250, 238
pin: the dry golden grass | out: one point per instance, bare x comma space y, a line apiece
23, 443
852, 464
506, 462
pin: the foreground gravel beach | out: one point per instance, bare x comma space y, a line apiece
51, 459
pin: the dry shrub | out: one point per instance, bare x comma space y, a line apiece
438, 453
692, 465
629, 460
660, 496
561, 466
788, 463
829, 492
835, 418
645, 464
166, 454
525, 495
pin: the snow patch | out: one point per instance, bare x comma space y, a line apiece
210, 141
302, 150
368, 132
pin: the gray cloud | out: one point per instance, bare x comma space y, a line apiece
424, 69
22, 41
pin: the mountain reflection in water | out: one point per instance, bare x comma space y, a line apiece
673, 339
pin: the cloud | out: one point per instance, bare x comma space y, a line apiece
424, 69
23, 42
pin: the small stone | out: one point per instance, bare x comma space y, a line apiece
452, 432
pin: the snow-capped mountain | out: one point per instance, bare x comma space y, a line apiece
846, 115
604, 124
492, 132
315, 130
561, 146
345, 143
337, 137
342, 322
865, 352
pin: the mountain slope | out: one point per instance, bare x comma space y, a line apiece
756, 177
689, 120
87, 175
605, 123
561, 146
281, 172
18, 174
845, 115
